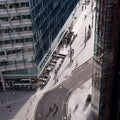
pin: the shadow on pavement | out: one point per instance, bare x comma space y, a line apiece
89, 116
12, 101
79, 52
85, 106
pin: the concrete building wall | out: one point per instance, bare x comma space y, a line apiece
16, 36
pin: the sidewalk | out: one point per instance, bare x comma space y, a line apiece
81, 52
24, 105
78, 109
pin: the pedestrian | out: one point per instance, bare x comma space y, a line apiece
28, 110
85, 17
56, 79
76, 63
50, 109
55, 105
54, 113
89, 27
10, 110
82, 7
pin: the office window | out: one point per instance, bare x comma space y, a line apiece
24, 4
2, 53
18, 17
3, 7
28, 50
11, 6
6, 42
28, 39
4, 19
19, 29
21, 40
17, 5
27, 28
28, 17
25, 17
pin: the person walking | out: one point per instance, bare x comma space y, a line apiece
82, 7
89, 27
54, 113
85, 17
50, 109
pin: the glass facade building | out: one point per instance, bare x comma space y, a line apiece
16, 39
106, 70
30, 30
48, 18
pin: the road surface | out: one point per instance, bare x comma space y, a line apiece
53, 104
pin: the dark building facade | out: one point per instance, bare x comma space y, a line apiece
48, 18
106, 70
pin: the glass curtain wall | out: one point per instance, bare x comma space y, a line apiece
48, 17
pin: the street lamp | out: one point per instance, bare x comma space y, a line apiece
92, 12
71, 53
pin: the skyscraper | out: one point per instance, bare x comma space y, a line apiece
17, 58
106, 71
50, 20
27, 26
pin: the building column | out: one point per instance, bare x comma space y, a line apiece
3, 81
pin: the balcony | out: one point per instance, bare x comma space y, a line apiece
14, 10
15, 23
17, 45
16, 35
17, 66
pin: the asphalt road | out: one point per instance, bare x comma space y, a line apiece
53, 104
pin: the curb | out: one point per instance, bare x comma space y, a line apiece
87, 61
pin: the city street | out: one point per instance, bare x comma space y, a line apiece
73, 75
53, 104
